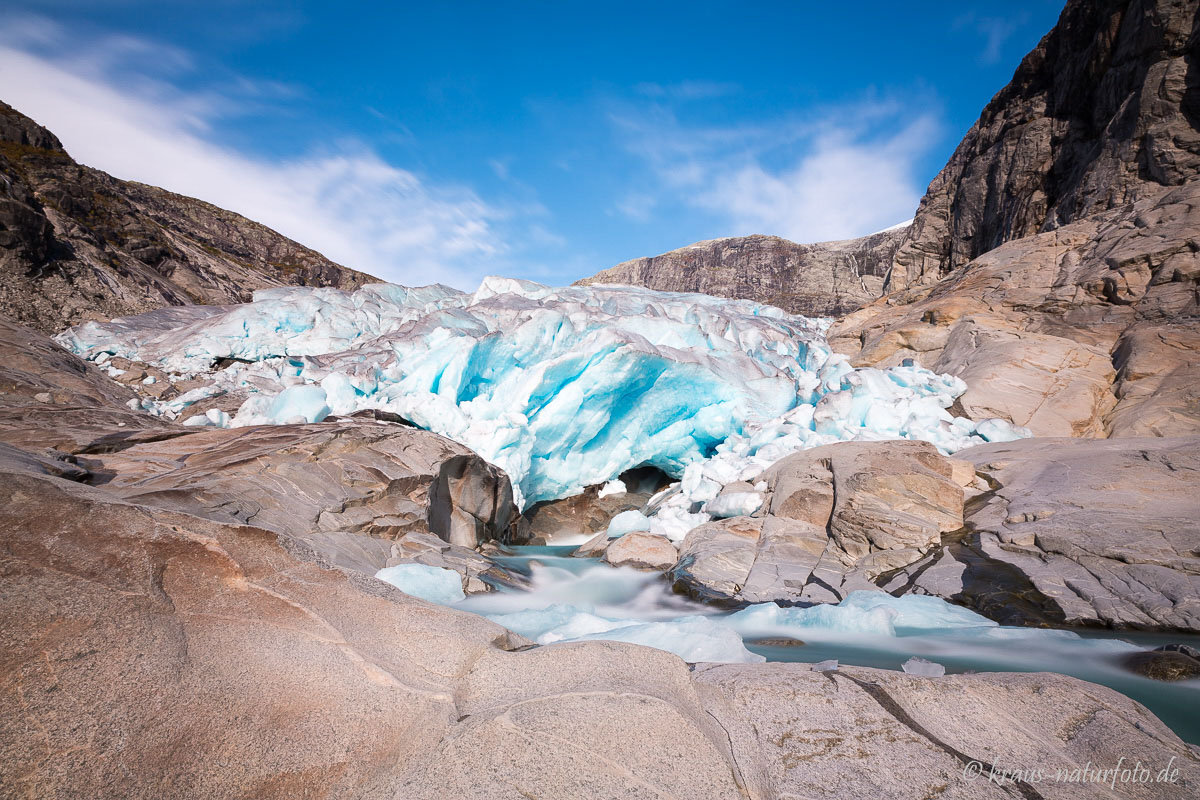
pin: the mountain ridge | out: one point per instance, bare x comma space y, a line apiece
78, 244
821, 279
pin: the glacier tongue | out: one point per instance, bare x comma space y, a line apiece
561, 388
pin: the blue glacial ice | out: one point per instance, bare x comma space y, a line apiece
562, 388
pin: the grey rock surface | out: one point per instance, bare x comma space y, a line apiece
77, 244
641, 551
816, 280
1092, 329
859, 732
1077, 532
153, 653
348, 477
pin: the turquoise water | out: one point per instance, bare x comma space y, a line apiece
577, 593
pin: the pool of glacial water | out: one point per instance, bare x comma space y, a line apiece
576, 598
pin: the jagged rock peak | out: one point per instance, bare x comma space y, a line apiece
16, 128
1103, 112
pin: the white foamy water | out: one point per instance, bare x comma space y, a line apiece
574, 599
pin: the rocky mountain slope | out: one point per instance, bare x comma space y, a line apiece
78, 244
817, 280
1105, 111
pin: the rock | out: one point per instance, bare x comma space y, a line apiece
643, 551
1035, 333
1077, 532
589, 513
594, 547
816, 280
962, 472
51, 398
1098, 115
77, 244
775, 641
858, 732
118, 616
1163, 665
836, 518
321, 483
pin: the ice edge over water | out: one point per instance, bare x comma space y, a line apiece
562, 388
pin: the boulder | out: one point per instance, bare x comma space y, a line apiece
642, 551
588, 513
834, 519
1077, 532
320, 482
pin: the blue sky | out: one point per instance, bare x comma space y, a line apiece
446, 141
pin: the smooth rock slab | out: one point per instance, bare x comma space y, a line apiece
1078, 532
347, 477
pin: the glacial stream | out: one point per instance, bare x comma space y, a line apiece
578, 598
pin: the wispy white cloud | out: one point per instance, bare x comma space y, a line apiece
345, 200
996, 31
688, 90
843, 172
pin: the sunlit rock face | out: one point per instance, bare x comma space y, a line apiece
561, 388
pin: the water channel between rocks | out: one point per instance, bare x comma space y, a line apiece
582, 598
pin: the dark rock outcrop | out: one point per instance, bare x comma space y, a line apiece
77, 244
817, 280
1105, 111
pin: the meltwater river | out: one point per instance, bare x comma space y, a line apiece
576, 598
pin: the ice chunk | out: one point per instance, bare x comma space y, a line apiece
613, 487
826, 666
437, 585
923, 668
734, 504
299, 404
627, 522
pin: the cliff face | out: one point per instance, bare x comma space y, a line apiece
819, 280
1054, 264
1105, 111
78, 244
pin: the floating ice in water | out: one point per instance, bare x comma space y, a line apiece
561, 388
923, 668
437, 585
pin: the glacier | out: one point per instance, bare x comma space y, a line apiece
562, 388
